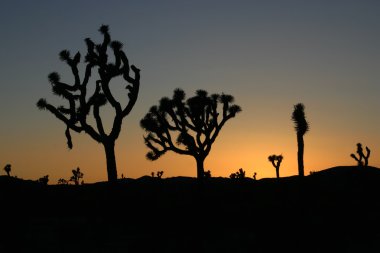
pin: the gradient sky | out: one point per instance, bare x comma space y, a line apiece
268, 54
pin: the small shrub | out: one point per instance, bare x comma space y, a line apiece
63, 181
43, 180
240, 174
207, 174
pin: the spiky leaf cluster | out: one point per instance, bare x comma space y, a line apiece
8, 169
80, 104
300, 124
275, 160
189, 126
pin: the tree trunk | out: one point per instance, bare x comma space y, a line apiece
109, 148
300, 155
278, 172
200, 168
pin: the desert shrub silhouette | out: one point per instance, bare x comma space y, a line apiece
63, 181
207, 174
240, 174
80, 104
361, 155
44, 180
301, 126
77, 175
8, 169
276, 162
194, 123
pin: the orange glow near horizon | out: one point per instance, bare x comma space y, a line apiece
229, 153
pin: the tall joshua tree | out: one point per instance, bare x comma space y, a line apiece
81, 104
301, 126
195, 123
276, 162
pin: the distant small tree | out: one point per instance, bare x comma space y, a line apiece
276, 162
254, 176
361, 155
207, 174
44, 180
8, 169
158, 174
187, 127
77, 175
80, 104
301, 126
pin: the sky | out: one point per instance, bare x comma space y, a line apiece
270, 55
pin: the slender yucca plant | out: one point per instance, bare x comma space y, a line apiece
301, 126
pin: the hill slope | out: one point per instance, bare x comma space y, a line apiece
337, 209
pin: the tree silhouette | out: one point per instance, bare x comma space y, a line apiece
159, 174
301, 126
276, 162
80, 103
194, 123
77, 175
359, 159
8, 169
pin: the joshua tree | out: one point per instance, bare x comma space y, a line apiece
80, 103
276, 162
77, 175
301, 126
8, 169
194, 123
359, 159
